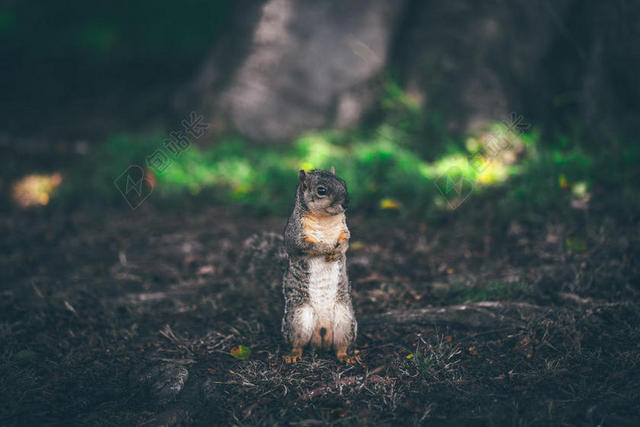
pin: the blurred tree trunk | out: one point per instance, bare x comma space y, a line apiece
287, 66
557, 63
297, 65
593, 66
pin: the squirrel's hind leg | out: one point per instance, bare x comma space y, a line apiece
299, 329
344, 331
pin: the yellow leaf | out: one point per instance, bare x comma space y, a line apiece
410, 356
562, 181
389, 204
357, 245
241, 352
306, 166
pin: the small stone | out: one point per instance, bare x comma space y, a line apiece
165, 381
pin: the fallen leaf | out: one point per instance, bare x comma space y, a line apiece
562, 181
389, 204
241, 352
25, 355
576, 244
526, 346
357, 245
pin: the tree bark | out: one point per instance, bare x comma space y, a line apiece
303, 65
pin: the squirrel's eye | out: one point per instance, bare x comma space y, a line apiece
321, 191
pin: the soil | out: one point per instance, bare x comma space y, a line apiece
114, 317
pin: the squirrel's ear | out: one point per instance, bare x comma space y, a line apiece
301, 175
333, 170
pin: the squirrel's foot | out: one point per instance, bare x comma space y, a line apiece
345, 358
294, 356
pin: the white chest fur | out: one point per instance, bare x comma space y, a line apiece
323, 284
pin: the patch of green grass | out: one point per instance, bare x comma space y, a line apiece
381, 173
384, 169
492, 291
435, 359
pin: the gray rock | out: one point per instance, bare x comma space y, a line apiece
164, 381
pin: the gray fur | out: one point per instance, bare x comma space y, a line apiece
315, 284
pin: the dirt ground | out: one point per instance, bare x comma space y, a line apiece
113, 317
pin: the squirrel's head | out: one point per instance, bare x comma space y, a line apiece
322, 192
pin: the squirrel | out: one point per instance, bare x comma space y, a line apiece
317, 292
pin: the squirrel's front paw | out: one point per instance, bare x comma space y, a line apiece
344, 235
343, 243
332, 255
336, 253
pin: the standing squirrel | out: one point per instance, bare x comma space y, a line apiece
317, 293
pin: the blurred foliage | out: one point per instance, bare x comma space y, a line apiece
403, 161
421, 130
383, 173
64, 62
386, 172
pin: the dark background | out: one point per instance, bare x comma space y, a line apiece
491, 155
